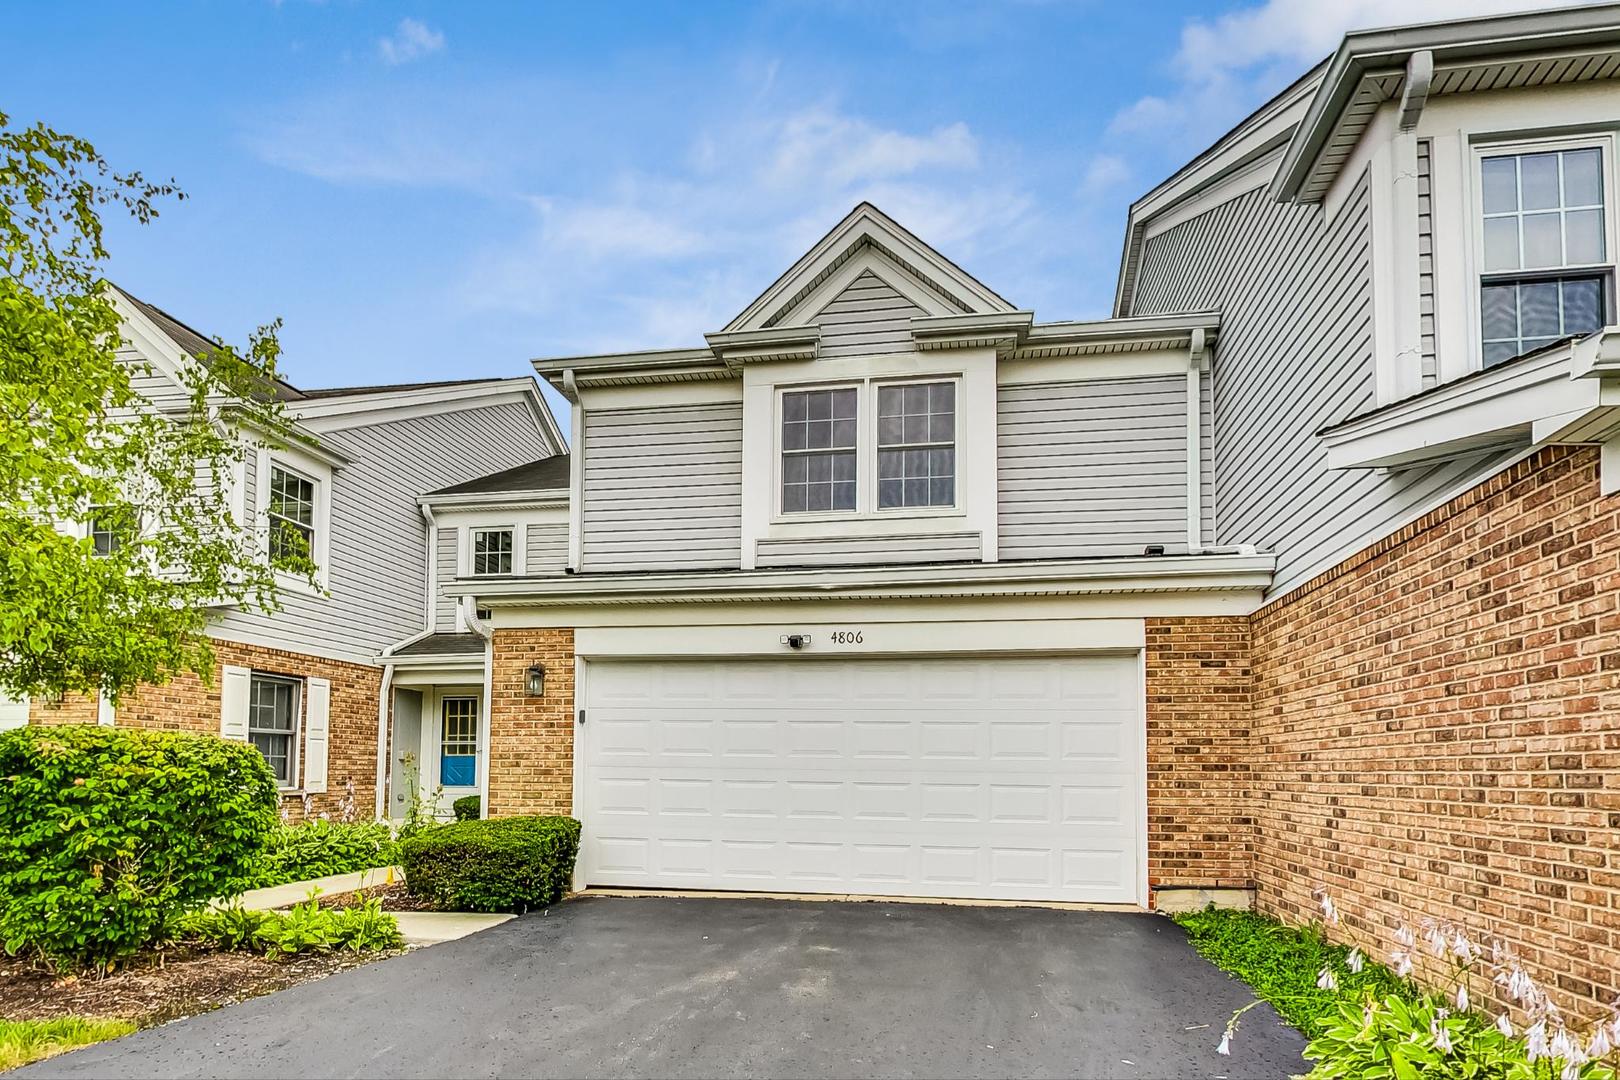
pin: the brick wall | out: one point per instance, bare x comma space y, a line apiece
1437, 727
1200, 824
531, 766
189, 704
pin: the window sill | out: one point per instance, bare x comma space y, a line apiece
899, 514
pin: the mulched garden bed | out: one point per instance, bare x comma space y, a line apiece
153, 990
394, 898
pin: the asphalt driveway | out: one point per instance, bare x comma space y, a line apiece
619, 987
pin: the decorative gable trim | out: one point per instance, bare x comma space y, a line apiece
866, 230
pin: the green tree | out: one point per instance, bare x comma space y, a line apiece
78, 444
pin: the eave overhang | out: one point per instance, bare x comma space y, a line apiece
739, 347
538, 499
1137, 334
1497, 52
1569, 393
1230, 573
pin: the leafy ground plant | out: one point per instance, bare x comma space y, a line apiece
320, 848
1370, 1023
306, 927
22, 1041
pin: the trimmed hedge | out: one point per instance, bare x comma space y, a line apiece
466, 808
499, 864
319, 848
111, 835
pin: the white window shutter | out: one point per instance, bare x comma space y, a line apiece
317, 723
234, 686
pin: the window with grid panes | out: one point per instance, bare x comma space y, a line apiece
1547, 270
916, 445
273, 724
818, 450
492, 552
458, 742
292, 517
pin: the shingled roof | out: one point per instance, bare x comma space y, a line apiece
547, 474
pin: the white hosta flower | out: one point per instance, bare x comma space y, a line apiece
1562, 1046
1602, 1042
1461, 947
1225, 1049
1404, 937
1355, 960
1400, 961
1435, 937
1442, 1037
1504, 1025
1462, 997
1326, 980
1535, 1041
1330, 914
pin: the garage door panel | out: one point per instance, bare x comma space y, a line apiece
1010, 779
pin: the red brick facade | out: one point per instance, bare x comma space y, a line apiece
189, 704
1437, 726
1200, 815
531, 739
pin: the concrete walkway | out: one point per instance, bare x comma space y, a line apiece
418, 927
667, 987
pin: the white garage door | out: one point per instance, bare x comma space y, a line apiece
1017, 779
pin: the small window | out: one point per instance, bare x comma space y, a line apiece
917, 445
491, 552
1547, 267
273, 724
818, 450
107, 532
292, 518
458, 743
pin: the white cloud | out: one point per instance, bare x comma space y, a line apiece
1227, 65
411, 40
838, 149
1103, 174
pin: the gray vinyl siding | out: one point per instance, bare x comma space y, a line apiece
1092, 468
445, 565
1294, 355
1431, 373
546, 548
663, 488
155, 386
867, 319
377, 572
869, 550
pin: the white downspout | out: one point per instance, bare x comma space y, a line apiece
383, 737
1197, 351
486, 709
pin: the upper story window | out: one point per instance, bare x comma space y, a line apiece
106, 532
917, 445
818, 450
292, 517
273, 724
1548, 268
491, 552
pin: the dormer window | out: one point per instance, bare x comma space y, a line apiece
818, 450
1546, 254
917, 445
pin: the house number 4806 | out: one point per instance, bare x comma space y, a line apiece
847, 637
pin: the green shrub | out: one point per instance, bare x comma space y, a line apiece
111, 835
22, 1041
319, 849
466, 808
306, 927
500, 864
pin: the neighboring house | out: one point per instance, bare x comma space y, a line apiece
1300, 570
306, 684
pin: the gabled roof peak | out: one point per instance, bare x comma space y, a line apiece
896, 251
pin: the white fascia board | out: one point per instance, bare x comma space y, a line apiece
537, 499
1191, 573
1499, 407
389, 406
303, 440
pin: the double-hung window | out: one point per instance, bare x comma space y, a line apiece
916, 445
491, 552
818, 450
1546, 268
292, 517
273, 724
458, 741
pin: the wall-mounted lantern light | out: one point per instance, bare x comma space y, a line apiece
534, 681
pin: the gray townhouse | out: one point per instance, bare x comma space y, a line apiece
1301, 569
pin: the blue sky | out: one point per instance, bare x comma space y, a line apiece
434, 191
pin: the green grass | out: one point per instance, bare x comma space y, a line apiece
1281, 963
22, 1041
